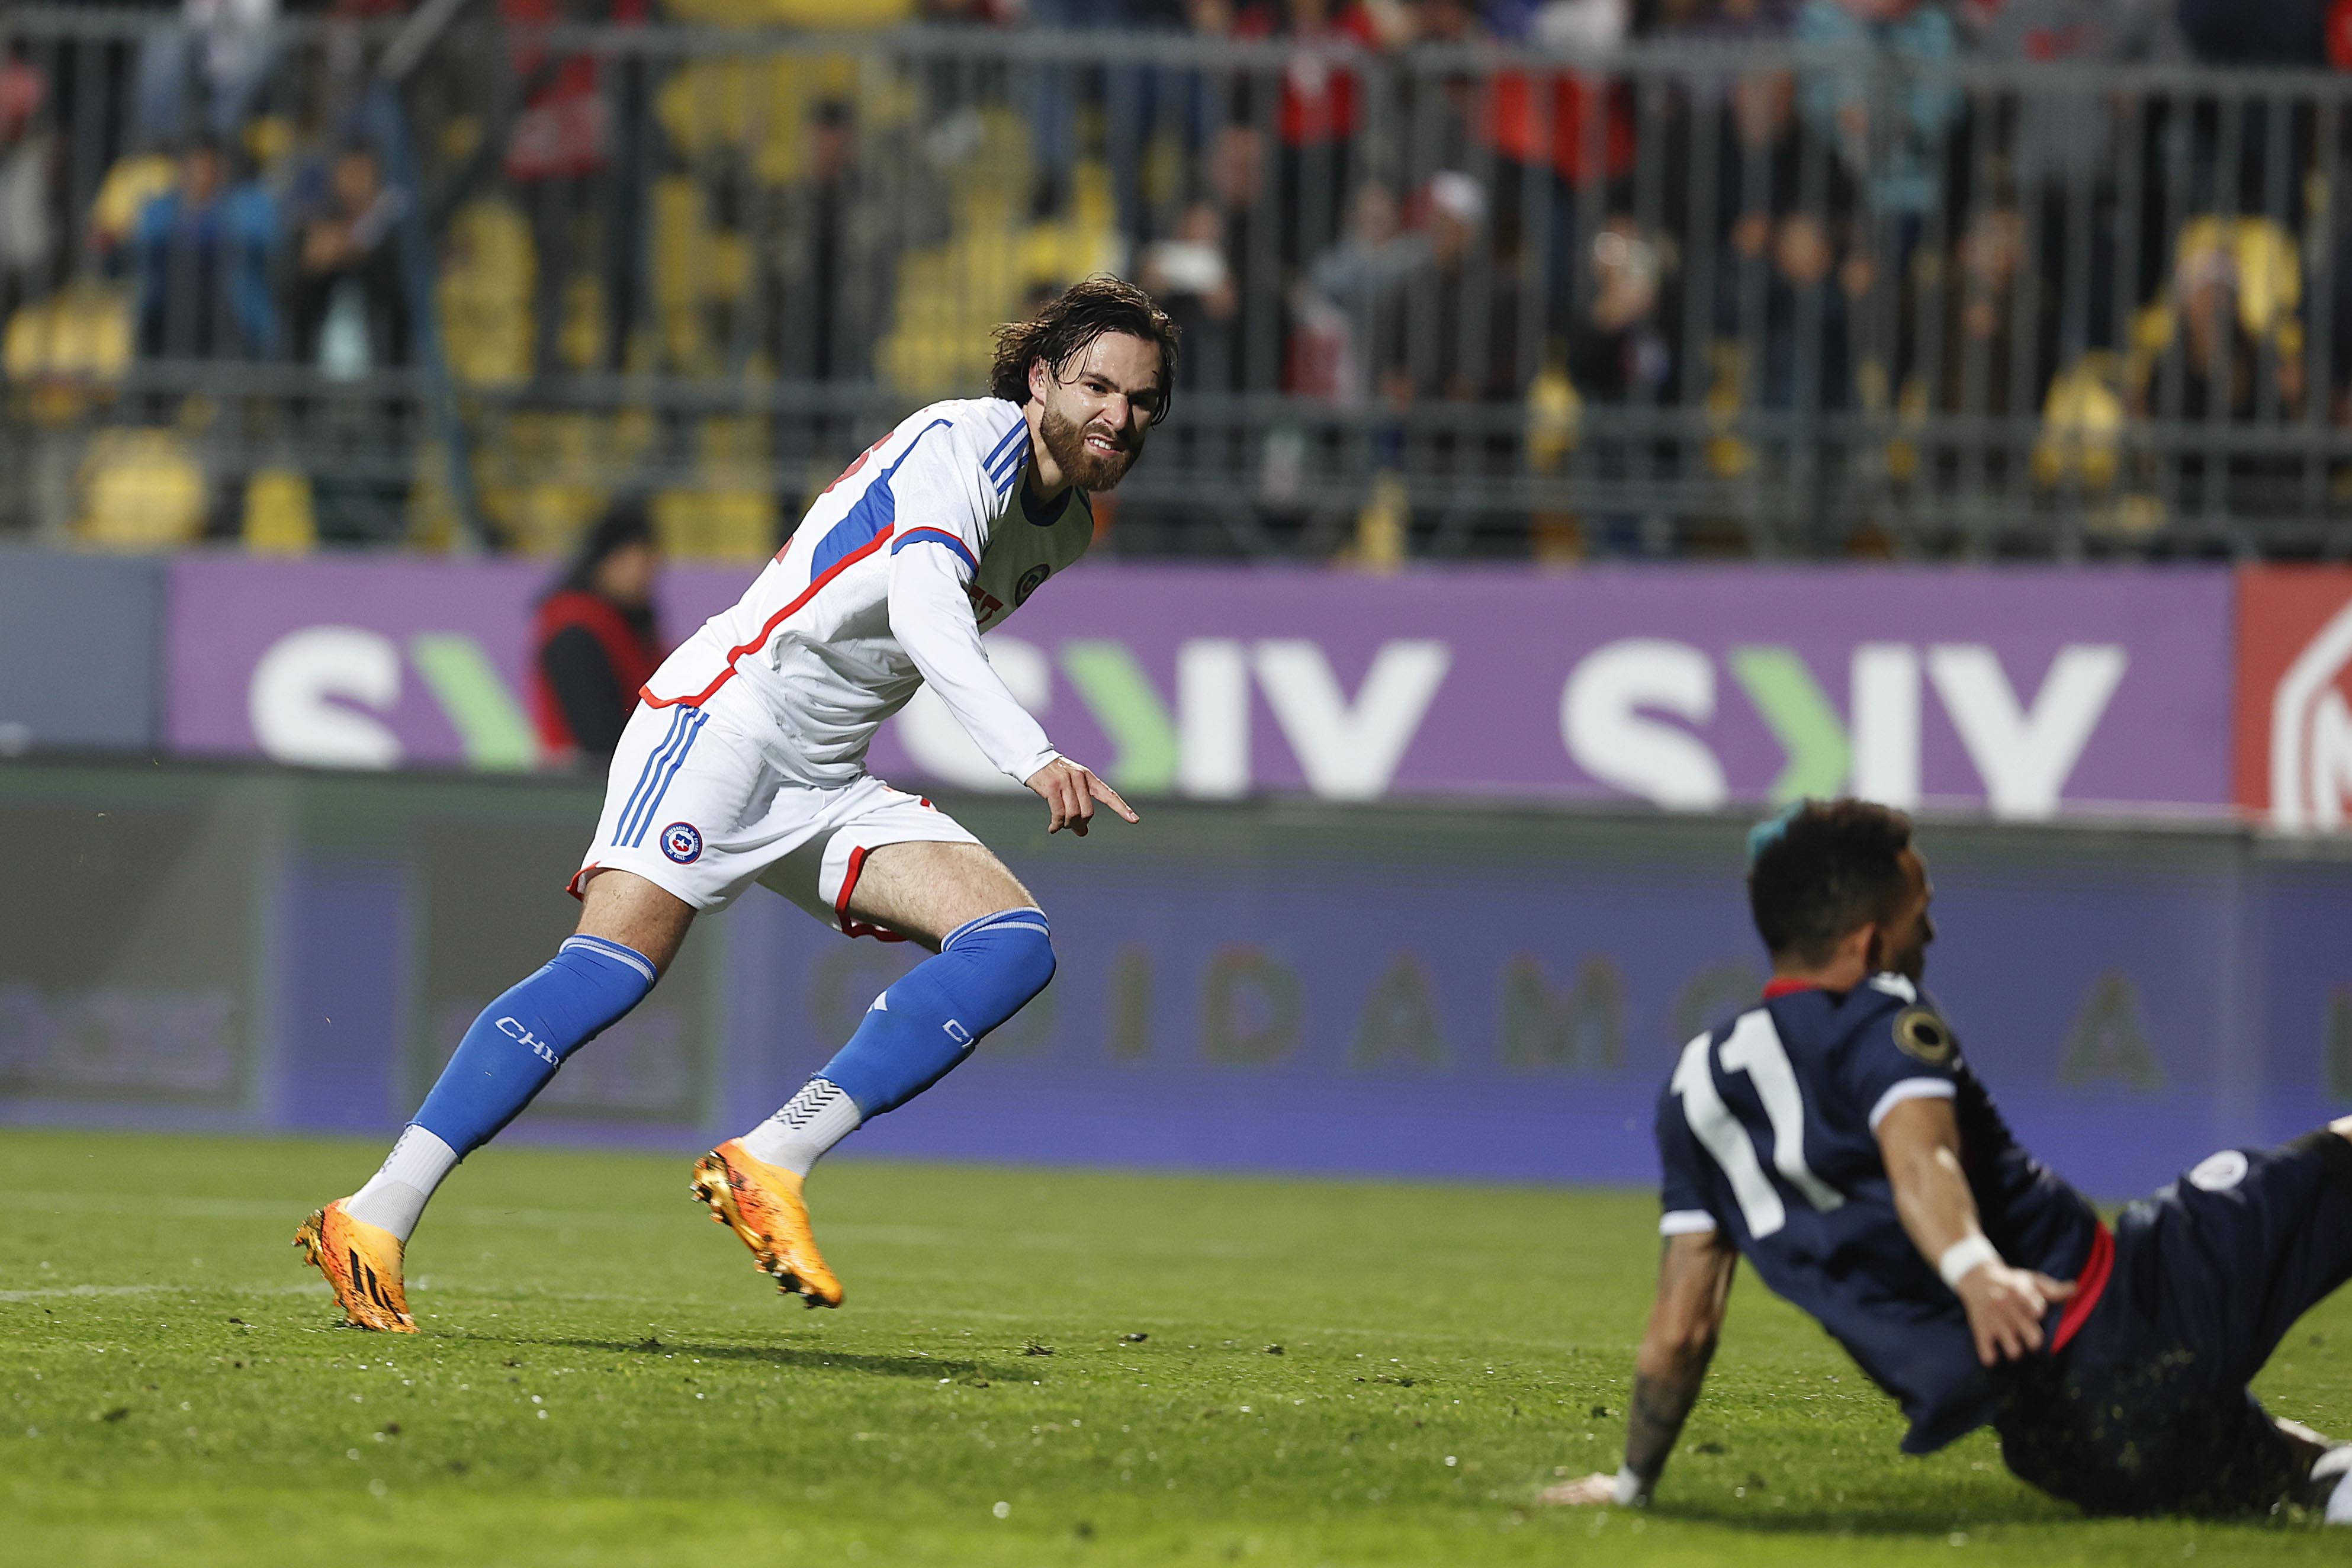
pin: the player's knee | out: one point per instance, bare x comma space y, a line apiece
1029, 960
1016, 947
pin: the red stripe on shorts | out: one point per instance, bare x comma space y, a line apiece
2089, 1286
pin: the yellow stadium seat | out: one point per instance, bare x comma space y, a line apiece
737, 525
2083, 418
840, 15
1555, 418
141, 490
486, 294
1728, 454
82, 331
542, 478
278, 517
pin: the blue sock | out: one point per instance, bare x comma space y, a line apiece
919, 1029
519, 1040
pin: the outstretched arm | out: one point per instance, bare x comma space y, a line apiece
1920, 1143
1694, 1292
931, 614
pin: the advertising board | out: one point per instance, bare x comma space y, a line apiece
2294, 699
2023, 694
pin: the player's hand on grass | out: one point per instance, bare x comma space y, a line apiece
1071, 791
1582, 1492
2005, 1308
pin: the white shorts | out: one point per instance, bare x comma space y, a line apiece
694, 807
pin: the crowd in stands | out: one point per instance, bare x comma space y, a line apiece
1387, 206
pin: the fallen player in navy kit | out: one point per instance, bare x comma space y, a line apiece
1833, 1135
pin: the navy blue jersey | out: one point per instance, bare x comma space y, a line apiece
1769, 1130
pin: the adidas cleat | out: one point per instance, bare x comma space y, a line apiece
362, 1263
763, 1205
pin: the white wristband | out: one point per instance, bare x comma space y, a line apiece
1631, 1488
1963, 1257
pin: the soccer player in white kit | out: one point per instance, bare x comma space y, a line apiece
745, 762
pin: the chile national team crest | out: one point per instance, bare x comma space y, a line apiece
682, 842
1028, 583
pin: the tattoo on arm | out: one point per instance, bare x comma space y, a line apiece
1662, 1403
1694, 1288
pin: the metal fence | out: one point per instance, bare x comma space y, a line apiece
1443, 302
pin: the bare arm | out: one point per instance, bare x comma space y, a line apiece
1919, 1141
1694, 1292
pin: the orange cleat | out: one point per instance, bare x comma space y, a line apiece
362, 1263
763, 1205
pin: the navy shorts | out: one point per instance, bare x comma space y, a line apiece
2147, 1409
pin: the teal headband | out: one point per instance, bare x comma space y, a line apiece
1766, 833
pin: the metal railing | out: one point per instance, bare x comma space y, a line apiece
1443, 302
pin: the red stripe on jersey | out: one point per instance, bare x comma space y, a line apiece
1787, 986
2089, 1286
779, 618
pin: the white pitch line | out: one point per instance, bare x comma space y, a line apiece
69, 1291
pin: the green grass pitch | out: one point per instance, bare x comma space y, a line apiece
1034, 1367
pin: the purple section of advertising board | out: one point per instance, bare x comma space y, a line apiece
1691, 653
2025, 692
233, 620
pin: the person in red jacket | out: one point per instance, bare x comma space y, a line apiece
595, 641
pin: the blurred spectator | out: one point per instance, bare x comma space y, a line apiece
29, 229
1231, 212
1726, 20
830, 258
2062, 133
2219, 378
1318, 113
200, 80
1138, 101
1617, 352
595, 641
1444, 105
2061, 150
1893, 154
1193, 281
1457, 336
1554, 136
1585, 26
1619, 355
1980, 373
203, 252
1807, 366
2263, 33
585, 223
1770, 162
1355, 294
350, 310
350, 319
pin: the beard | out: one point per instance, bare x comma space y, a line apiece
1086, 468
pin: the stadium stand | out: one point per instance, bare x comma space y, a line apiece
1687, 277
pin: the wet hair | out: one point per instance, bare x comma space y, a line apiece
1067, 325
625, 522
1821, 871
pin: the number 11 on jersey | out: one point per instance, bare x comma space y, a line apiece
1753, 1047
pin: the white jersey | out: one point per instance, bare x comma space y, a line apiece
928, 539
